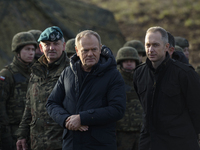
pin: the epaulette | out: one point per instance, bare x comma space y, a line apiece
185, 67
138, 66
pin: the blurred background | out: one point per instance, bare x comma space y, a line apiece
117, 21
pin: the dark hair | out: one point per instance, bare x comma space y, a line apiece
171, 40
19, 49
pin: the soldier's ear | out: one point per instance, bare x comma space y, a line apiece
166, 46
41, 48
64, 46
76, 50
100, 47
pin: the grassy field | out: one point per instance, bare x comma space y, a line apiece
180, 17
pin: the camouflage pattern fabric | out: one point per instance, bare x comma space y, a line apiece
198, 70
13, 88
130, 124
70, 47
138, 45
21, 39
127, 53
45, 134
127, 140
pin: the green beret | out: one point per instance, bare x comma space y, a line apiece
182, 42
53, 33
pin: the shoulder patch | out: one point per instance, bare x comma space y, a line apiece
2, 78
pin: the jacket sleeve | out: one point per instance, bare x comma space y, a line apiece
6, 90
54, 103
191, 88
116, 98
24, 127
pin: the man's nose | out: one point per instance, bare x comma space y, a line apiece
90, 52
150, 48
51, 47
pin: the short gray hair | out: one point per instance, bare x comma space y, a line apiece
87, 33
162, 31
63, 39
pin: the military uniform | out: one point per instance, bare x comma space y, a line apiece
13, 96
44, 132
13, 87
70, 47
198, 70
128, 128
36, 34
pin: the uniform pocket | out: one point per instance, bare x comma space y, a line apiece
171, 101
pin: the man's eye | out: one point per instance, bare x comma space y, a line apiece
85, 51
94, 49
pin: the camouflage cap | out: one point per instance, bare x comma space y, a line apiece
137, 45
21, 39
126, 53
53, 33
178, 48
70, 46
182, 42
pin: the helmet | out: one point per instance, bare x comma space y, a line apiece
137, 45
70, 47
182, 42
21, 39
126, 53
178, 48
35, 33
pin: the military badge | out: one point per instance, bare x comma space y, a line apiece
52, 37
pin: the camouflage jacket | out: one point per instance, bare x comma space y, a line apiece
198, 70
44, 132
13, 88
132, 119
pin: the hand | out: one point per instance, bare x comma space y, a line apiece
21, 144
73, 122
83, 128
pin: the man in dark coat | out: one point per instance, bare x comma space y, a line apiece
89, 96
169, 93
176, 55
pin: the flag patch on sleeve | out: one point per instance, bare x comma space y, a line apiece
2, 78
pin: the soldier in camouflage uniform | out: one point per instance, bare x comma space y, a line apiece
36, 34
184, 44
198, 70
45, 134
138, 46
13, 87
128, 128
178, 48
172, 50
70, 47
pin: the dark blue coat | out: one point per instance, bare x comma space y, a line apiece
99, 99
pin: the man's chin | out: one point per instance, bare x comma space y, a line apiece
152, 58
